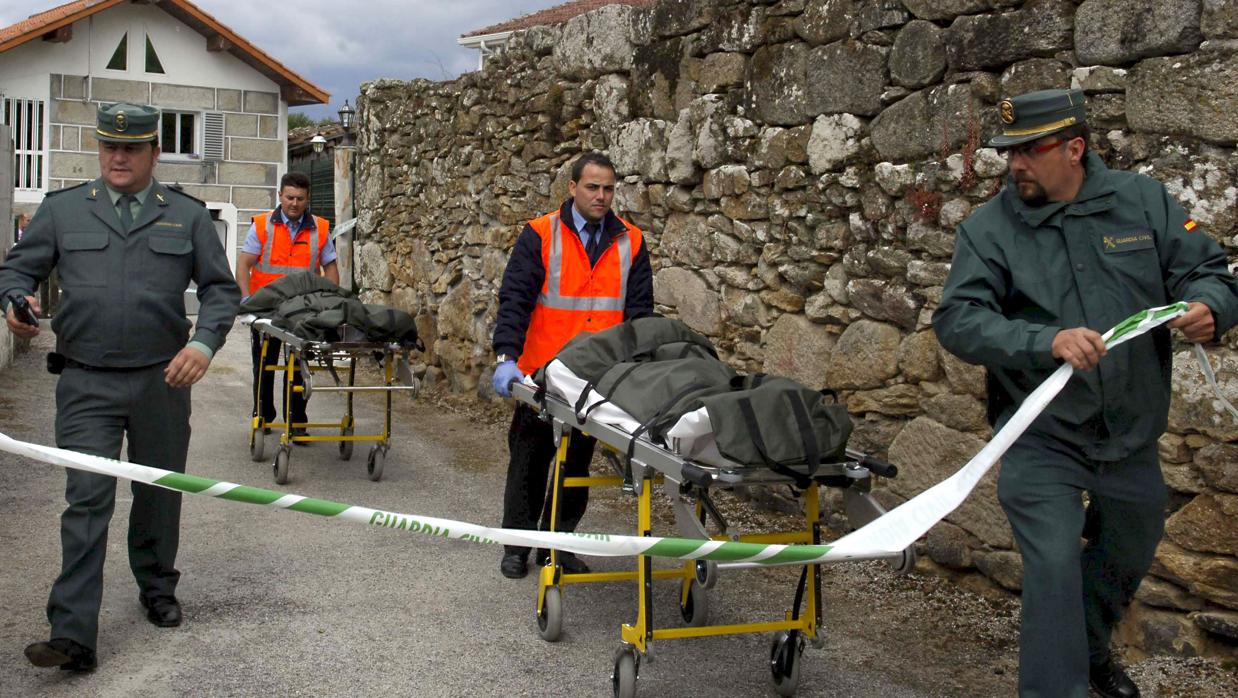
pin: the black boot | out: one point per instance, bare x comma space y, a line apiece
61, 652
1110, 681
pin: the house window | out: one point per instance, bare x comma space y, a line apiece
120, 57
153, 64
25, 117
178, 134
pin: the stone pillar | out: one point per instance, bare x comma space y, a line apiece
345, 157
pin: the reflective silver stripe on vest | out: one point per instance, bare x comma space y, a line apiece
264, 261
554, 298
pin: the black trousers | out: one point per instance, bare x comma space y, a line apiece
532, 447
1073, 593
94, 411
266, 381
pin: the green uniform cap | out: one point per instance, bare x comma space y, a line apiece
127, 123
1036, 114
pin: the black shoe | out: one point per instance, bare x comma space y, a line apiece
1110, 681
567, 561
514, 565
299, 431
163, 611
62, 652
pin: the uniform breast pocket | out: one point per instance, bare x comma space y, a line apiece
171, 263
1132, 257
83, 258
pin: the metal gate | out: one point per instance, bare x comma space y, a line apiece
321, 172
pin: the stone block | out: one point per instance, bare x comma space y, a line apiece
901, 400
54, 136
228, 100
949, 545
596, 43
722, 70
962, 412
182, 96
90, 140
1155, 591
796, 347
737, 29
826, 21
679, 17
848, 77
1195, 95
1117, 32
944, 9
1098, 78
1040, 28
639, 147
1206, 524
656, 68
865, 357
73, 165
776, 78
834, 141
1002, 566
697, 305
254, 197
70, 138
1219, 465
914, 127
935, 452
1213, 577
246, 173
882, 300
184, 172
255, 150
73, 86
55, 83
245, 125
208, 192
1219, 19
73, 112
111, 90
257, 102
268, 127
918, 58
1035, 74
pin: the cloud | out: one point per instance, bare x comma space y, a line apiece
339, 44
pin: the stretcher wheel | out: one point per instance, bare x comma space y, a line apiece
623, 679
695, 609
257, 444
707, 573
374, 463
905, 562
346, 446
282, 456
550, 619
784, 662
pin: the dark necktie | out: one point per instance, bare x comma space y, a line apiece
594, 246
126, 211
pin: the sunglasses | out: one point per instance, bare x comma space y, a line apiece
1027, 150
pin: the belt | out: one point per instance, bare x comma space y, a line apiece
70, 363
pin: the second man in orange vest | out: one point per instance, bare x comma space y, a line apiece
578, 269
284, 241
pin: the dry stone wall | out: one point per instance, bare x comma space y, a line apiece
799, 167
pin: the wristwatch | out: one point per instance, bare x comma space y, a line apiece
501, 358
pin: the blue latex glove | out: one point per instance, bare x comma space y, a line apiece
505, 374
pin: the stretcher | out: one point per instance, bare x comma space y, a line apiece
640, 466
305, 358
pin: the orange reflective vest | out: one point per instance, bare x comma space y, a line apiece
281, 255
575, 297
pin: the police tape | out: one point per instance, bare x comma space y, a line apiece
887, 536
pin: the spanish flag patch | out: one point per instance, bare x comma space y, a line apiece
1190, 225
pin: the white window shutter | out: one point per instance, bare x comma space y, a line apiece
213, 136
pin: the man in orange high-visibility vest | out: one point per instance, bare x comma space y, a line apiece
284, 241
578, 269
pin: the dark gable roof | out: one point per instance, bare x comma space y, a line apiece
554, 15
295, 89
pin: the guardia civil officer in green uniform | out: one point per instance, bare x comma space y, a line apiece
1067, 250
126, 248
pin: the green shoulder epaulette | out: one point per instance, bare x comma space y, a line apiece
176, 187
61, 191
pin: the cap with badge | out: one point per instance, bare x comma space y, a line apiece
127, 123
1036, 114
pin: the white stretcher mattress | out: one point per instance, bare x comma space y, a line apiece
692, 437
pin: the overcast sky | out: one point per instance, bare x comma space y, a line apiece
339, 44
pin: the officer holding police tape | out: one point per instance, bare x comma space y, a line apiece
1068, 249
126, 248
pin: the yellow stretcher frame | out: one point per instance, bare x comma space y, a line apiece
696, 577
298, 361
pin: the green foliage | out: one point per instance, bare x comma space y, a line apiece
299, 120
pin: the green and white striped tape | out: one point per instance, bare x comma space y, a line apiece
887, 536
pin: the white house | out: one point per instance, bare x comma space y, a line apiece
225, 102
